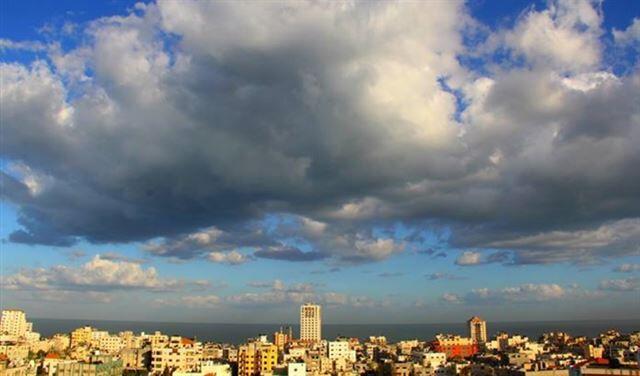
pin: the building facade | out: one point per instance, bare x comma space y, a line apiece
257, 358
310, 322
477, 329
455, 346
14, 323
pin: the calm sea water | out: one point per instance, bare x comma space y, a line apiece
238, 333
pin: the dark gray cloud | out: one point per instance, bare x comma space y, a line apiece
289, 254
442, 276
335, 116
390, 274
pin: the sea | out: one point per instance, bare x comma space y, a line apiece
239, 333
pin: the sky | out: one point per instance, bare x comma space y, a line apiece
396, 162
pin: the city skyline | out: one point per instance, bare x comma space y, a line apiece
99, 351
394, 162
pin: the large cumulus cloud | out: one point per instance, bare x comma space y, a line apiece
190, 118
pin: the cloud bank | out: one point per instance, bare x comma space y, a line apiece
168, 127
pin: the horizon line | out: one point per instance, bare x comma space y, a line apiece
355, 324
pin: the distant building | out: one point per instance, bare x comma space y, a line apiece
477, 329
282, 337
81, 336
595, 370
455, 346
181, 354
136, 358
297, 369
310, 322
340, 350
257, 358
207, 368
104, 367
430, 359
14, 323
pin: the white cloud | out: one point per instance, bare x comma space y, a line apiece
451, 298
525, 293
630, 35
625, 284
313, 228
622, 237
280, 293
34, 46
376, 249
468, 258
98, 274
564, 36
201, 300
628, 268
230, 258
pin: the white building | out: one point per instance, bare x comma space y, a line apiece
297, 369
181, 354
430, 359
110, 344
310, 322
340, 350
207, 368
14, 323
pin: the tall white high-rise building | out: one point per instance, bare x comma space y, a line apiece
14, 323
310, 322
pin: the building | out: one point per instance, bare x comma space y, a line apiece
82, 336
597, 370
103, 367
282, 337
455, 346
297, 369
14, 323
110, 344
207, 368
257, 358
590, 351
310, 322
15, 352
24, 370
50, 363
136, 358
430, 359
477, 329
340, 350
180, 354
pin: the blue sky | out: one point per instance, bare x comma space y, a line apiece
395, 162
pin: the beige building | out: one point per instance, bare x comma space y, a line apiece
296, 369
15, 352
136, 358
110, 344
14, 323
477, 329
257, 358
181, 354
25, 370
340, 350
207, 368
81, 336
310, 322
282, 338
